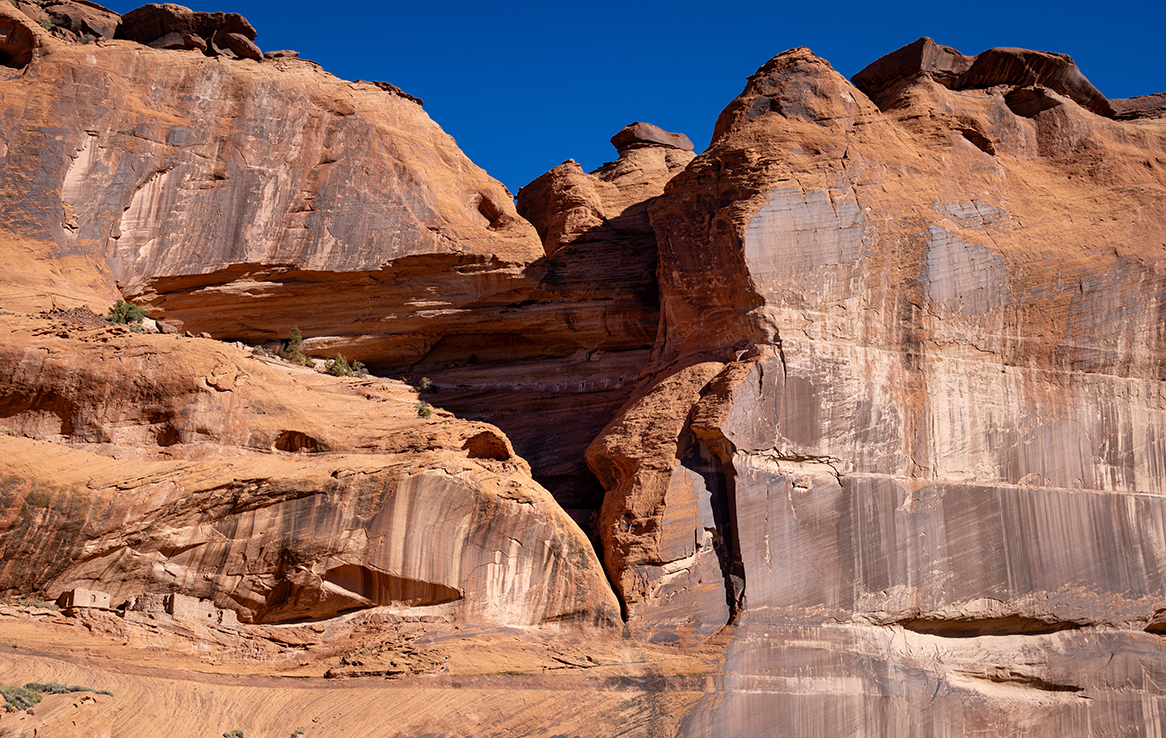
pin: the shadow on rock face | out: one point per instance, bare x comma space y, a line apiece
16, 44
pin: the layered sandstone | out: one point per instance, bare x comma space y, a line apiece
228, 196
141, 464
912, 351
600, 268
884, 369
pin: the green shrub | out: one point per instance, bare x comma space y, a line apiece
233, 734
32, 602
125, 312
339, 367
18, 698
22, 698
293, 350
47, 24
425, 384
424, 409
55, 688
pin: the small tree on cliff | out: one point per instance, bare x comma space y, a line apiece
125, 312
292, 352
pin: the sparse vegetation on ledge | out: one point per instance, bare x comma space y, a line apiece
22, 698
339, 367
123, 313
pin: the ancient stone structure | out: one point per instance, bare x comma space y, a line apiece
182, 606
77, 598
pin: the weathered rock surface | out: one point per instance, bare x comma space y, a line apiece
176, 198
169, 26
190, 680
913, 363
896, 450
638, 135
600, 266
279, 494
1002, 67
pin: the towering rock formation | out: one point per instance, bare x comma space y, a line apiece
206, 185
242, 199
874, 388
906, 426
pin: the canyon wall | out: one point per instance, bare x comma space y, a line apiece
140, 464
867, 400
913, 347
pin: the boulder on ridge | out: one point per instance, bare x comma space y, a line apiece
166, 26
635, 135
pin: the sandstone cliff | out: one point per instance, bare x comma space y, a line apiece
911, 364
139, 464
227, 196
872, 389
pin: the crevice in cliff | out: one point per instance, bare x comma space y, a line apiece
978, 139
999, 626
1017, 679
381, 588
297, 442
711, 459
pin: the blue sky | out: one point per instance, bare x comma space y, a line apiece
523, 86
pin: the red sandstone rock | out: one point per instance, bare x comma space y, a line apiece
636, 135
280, 493
83, 17
1145, 106
878, 449
1010, 67
18, 40
153, 21
895, 447
243, 47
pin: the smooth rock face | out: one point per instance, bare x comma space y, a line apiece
915, 370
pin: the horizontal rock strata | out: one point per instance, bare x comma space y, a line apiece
365, 227
193, 467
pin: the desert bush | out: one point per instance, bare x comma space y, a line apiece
424, 409
425, 385
18, 698
125, 312
32, 602
21, 698
55, 688
293, 350
339, 367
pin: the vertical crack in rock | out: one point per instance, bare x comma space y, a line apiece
711, 459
